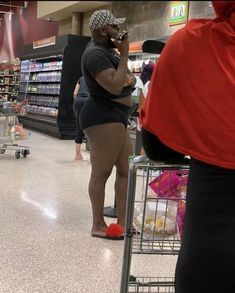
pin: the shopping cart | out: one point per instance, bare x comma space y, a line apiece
156, 218
134, 129
8, 136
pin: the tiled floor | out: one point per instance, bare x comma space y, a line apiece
45, 217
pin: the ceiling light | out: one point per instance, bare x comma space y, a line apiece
10, 15
5, 12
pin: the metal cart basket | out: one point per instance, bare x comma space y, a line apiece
155, 197
8, 121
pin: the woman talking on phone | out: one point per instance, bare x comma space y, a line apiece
105, 115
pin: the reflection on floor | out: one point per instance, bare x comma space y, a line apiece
45, 243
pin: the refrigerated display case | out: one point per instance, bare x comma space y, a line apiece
48, 76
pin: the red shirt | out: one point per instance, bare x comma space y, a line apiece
190, 105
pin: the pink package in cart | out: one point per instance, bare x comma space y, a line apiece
165, 185
180, 218
182, 186
173, 184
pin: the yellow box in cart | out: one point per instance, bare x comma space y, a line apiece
6, 124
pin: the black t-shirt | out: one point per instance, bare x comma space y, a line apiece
96, 59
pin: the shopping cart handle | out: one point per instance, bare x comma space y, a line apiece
145, 160
141, 159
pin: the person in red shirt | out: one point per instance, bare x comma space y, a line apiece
189, 110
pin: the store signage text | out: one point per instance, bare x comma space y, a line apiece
135, 47
44, 42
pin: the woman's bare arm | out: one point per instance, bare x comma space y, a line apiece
76, 90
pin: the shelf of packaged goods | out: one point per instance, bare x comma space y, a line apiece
42, 94
30, 81
45, 117
37, 104
8, 75
48, 70
9, 84
40, 105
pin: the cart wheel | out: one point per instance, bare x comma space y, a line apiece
25, 153
17, 154
2, 151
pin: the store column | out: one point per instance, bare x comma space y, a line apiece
77, 23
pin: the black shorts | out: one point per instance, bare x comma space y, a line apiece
101, 111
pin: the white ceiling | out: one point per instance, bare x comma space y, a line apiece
56, 10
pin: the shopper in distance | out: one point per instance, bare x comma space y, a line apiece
80, 97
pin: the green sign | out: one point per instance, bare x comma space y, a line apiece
178, 12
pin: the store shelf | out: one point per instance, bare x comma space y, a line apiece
40, 81
42, 117
29, 72
9, 75
10, 84
43, 94
9, 80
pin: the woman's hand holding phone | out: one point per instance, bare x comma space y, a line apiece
121, 36
122, 43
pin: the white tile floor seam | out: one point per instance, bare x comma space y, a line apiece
45, 243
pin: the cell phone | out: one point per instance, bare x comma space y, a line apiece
122, 36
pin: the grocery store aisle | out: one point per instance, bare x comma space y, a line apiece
45, 243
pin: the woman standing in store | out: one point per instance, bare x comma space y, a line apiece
104, 118
190, 110
80, 95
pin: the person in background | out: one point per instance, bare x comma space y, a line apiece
134, 122
189, 110
147, 72
104, 118
137, 95
80, 95
146, 76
